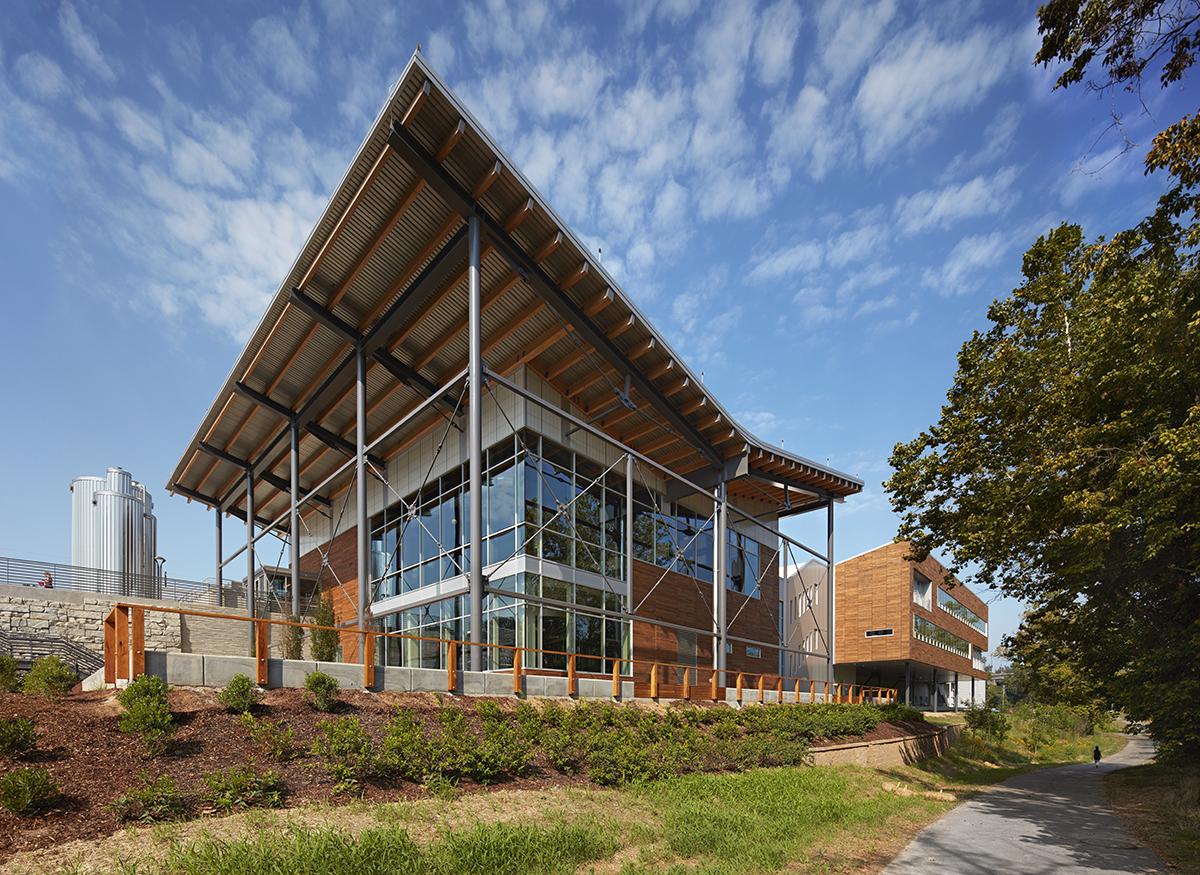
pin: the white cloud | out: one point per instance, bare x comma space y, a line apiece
284, 49
806, 134
942, 208
778, 27
801, 257
856, 245
969, 256
141, 129
849, 33
83, 43
919, 79
439, 49
40, 76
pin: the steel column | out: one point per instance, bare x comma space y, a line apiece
364, 526
628, 531
720, 602
294, 525
250, 557
475, 438
829, 603
220, 564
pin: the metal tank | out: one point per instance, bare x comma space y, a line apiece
114, 532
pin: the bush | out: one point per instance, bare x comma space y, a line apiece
324, 689
155, 801
324, 641
984, 721
293, 639
147, 713
26, 792
407, 753
240, 694
275, 740
350, 757
8, 674
242, 787
898, 712
16, 736
50, 678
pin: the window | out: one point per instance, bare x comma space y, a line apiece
923, 630
878, 633
959, 611
754, 652
922, 591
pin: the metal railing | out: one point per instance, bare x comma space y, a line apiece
125, 658
25, 572
28, 647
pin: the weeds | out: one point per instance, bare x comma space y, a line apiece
348, 752
274, 739
237, 787
155, 801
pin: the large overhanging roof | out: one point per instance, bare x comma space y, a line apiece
385, 268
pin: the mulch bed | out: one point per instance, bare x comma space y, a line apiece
94, 762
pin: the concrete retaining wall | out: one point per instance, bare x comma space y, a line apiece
890, 752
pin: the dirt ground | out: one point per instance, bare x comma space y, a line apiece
93, 761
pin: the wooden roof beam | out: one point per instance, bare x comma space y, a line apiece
641, 349
451, 140
661, 368
599, 302
493, 295
517, 216
417, 102
543, 252
621, 327
676, 387
574, 276
658, 443
694, 405
485, 181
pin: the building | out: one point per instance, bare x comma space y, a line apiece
909, 626
468, 431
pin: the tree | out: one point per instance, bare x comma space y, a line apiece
323, 642
1066, 462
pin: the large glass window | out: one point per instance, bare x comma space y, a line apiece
923, 630
922, 591
958, 610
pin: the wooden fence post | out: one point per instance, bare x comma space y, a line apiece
616, 678
779, 689
451, 666
137, 641
517, 672
687, 683
739, 688
812, 692
572, 685
122, 642
654, 681
110, 647
261, 649
714, 684
761, 696
369, 662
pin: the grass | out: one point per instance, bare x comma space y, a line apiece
1161, 805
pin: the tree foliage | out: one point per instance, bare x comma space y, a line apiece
1066, 462
323, 642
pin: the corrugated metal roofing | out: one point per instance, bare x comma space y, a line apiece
383, 226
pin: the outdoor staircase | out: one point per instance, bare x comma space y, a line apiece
26, 648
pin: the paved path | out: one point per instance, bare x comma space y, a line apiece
1049, 821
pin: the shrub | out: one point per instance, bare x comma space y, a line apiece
898, 712
26, 792
155, 801
275, 740
147, 713
987, 722
16, 736
346, 747
240, 694
50, 678
242, 787
8, 674
407, 752
324, 689
293, 639
324, 641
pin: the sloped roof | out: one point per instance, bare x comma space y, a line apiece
385, 266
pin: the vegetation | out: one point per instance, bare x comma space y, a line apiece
293, 638
16, 736
156, 800
349, 753
240, 695
26, 792
147, 714
8, 674
1066, 463
324, 641
1161, 802
324, 690
50, 678
239, 787
991, 724
275, 740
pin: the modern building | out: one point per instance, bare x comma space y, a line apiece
910, 626
469, 431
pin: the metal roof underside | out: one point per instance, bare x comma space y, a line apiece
386, 266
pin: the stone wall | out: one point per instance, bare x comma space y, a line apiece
79, 617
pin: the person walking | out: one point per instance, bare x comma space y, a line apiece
1096, 755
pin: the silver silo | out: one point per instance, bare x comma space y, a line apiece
114, 532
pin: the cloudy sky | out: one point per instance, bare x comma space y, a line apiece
816, 202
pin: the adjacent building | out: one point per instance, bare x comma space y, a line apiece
467, 430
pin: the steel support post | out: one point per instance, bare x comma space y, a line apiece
220, 562
829, 602
361, 484
475, 438
294, 524
250, 559
720, 602
908, 683
628, 531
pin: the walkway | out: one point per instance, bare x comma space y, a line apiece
1050, 821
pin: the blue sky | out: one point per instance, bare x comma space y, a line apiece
816, 202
